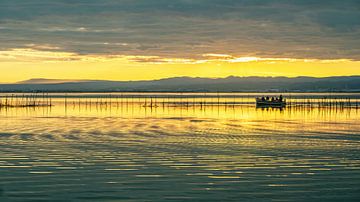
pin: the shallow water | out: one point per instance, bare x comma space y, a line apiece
128, 152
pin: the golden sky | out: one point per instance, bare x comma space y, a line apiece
21, 64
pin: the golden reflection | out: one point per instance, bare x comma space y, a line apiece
215, 143
166, 115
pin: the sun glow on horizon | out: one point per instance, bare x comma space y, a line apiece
21, 64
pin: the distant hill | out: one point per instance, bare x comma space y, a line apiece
49, 81
189, 84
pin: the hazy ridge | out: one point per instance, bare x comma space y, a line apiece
229, 84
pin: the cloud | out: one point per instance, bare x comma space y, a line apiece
47, 55
185, 28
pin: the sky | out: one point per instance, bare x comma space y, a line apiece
143, 39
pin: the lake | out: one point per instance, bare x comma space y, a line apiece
180, 147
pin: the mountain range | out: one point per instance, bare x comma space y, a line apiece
190, 84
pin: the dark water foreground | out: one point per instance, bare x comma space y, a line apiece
211, 153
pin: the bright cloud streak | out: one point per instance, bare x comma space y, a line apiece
31, 55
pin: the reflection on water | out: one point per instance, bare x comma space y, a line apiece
125, 151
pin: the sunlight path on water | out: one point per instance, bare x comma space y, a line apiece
211, 153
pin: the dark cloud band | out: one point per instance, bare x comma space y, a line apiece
185, 28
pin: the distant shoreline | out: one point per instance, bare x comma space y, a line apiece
195, 85
278, 92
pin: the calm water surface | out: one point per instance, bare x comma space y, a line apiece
125, 151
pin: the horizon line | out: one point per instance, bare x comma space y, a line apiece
164, 78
